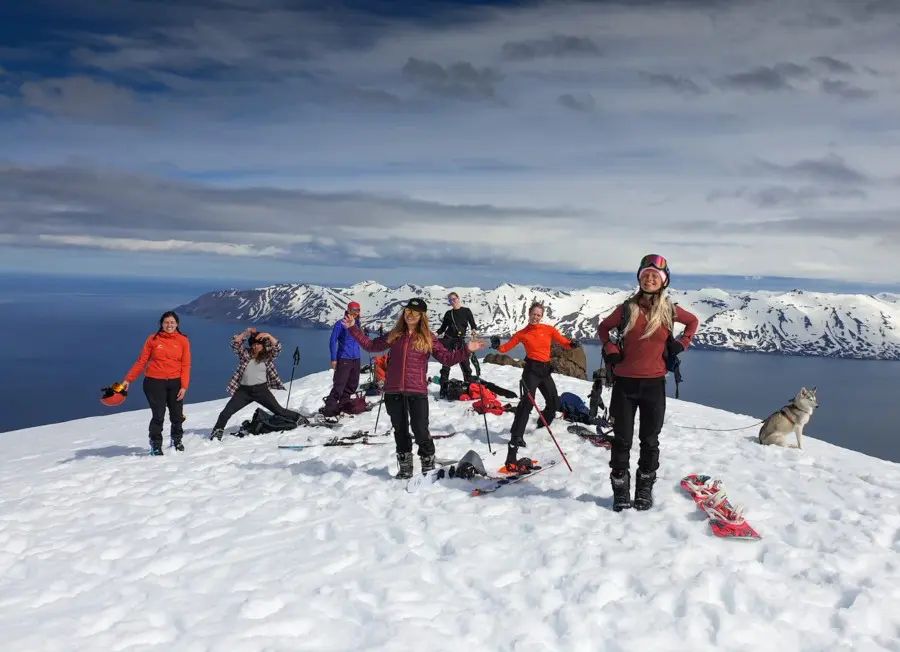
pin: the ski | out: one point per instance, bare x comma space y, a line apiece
512, 479
600, 441
335, 441
725, 520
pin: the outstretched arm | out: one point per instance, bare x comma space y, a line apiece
370, 345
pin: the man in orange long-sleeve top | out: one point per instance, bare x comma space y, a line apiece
165, 362
536, 338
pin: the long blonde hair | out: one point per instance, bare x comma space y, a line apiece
422, 340
661, 309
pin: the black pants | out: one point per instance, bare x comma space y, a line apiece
345, 383
247, 394
629, 395
161, 393
536, 375
410, 410
454, 344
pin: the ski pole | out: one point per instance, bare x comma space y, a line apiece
487, 433
378, 415
291, 384
546, 425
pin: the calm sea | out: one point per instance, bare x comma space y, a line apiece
67, 338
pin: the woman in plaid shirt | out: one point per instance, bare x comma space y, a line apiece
253, 379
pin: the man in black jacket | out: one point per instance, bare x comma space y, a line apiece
453, 336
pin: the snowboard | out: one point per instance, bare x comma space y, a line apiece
600, 441
725, 520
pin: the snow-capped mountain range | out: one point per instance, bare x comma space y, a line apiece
792, 323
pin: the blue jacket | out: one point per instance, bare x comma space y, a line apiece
342, 344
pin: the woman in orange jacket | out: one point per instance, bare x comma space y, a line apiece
536, 338
165, 362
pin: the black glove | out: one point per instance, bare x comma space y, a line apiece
675, 347
612, 359
574, 344
495, 341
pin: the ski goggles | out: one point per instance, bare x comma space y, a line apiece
654, 260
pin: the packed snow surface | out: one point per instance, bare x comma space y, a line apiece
241, 546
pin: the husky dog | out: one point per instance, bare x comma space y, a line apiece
791, 418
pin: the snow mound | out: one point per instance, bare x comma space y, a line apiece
241, 546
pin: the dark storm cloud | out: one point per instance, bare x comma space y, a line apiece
786, 197
583, 103
679, 84
460, 80
767, 78
831, 169
845, 90
553, 46
833, 66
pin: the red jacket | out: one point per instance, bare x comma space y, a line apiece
165, 356
536, 338
407, 368
644, 357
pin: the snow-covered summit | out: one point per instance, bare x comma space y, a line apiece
241, 546
795, 322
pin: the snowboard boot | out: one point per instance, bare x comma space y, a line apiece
156, 448
217, 434
405, 460
427, 463
643, 490
621, 486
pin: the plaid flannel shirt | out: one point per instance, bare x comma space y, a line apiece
273, 381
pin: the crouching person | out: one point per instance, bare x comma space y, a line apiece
411, 343
253, 379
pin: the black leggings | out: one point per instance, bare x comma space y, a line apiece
454, 344
629, 395
162, 393
247, 394
408, 410
536, 375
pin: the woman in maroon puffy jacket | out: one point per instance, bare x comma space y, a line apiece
411, 344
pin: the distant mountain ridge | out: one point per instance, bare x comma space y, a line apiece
793, 323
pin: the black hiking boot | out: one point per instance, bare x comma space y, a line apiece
517, 441
156, 448
217, 434
621, 486
643, 490
427, 463
405, 460
177, 445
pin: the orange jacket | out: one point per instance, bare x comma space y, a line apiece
168, 355
536, 340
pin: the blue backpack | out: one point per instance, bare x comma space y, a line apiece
574, 408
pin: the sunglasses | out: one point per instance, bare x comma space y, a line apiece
654, 260
353, 312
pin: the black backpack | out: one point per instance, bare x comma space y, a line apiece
263, 422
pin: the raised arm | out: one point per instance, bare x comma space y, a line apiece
511, 343
450, 358
370, 345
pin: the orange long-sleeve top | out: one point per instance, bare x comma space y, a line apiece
164, 356
536, 339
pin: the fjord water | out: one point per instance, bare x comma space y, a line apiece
64, 339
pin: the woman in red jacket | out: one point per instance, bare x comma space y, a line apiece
410, 343
165, 361
638, 360
536, 338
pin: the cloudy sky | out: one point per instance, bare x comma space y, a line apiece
468, 142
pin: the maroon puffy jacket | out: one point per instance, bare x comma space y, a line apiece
407, 368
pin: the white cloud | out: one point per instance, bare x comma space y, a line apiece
162, 246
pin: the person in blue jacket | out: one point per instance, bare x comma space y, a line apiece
345, 362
